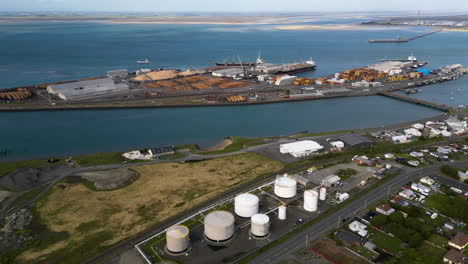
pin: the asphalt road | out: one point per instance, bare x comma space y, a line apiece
298, 241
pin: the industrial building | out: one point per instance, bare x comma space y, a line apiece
355, 141
232, 72
92, 91
88, 88
79, 85
161, 151
300, 148
117, 74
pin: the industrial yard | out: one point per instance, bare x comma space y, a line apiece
101, 218
226, 84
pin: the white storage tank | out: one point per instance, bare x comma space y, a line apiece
323, 193
310, 200
285, 187
219, 226
177, 239
246, 205
282, 212
260, 225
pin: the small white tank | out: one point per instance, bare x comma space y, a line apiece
246, 205
177, 239
310, 200
260, 225
219, 226
323, 194
285, 187
282, 212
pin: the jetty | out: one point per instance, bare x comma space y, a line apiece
441, 107
399, 39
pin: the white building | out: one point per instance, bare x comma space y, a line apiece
444, 150
416, 154
412, 132
420, 188
399, 139
337, 144
408, 194
330, 180
300, 148
463, 176
418, 126
358, 227
341, 197
427, 180
389, 156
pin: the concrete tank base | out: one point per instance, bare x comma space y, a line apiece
175, 254
218, 243
258, 237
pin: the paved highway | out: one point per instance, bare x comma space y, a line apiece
296, 242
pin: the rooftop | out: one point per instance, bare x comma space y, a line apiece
460, 239
354, 139
455, 256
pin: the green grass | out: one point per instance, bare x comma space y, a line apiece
346, 173
100, 159
364, 252
385, 241
9, 167
438, 240
434, 252
455, 207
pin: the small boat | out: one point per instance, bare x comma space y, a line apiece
145, 61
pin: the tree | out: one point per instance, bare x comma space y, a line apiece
452, 172
396, 217
379, 220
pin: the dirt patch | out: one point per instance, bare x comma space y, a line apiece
111, 216
4, 195
110, 179
333, 253
220, 146
27, 178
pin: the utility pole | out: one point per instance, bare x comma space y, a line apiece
338, 225
307, 240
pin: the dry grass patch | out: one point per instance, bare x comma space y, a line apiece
161, 191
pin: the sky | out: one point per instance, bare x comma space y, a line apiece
233, 5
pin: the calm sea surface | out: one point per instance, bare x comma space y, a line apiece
32, 53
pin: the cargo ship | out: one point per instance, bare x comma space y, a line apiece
396, 40
240, 64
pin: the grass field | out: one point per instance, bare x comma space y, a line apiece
438, 240
96, 220
385, 241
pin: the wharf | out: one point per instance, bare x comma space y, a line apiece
400, 40
437, 106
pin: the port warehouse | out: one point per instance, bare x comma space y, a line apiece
83, 89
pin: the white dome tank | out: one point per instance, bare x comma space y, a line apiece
310, 200
282, 212
219, 226
323, 194
177, 239
260, 225
285, 187
246, 205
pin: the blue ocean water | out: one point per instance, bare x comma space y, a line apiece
33, 53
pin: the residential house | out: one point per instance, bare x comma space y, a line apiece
385, 209
454, 257
459, 241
